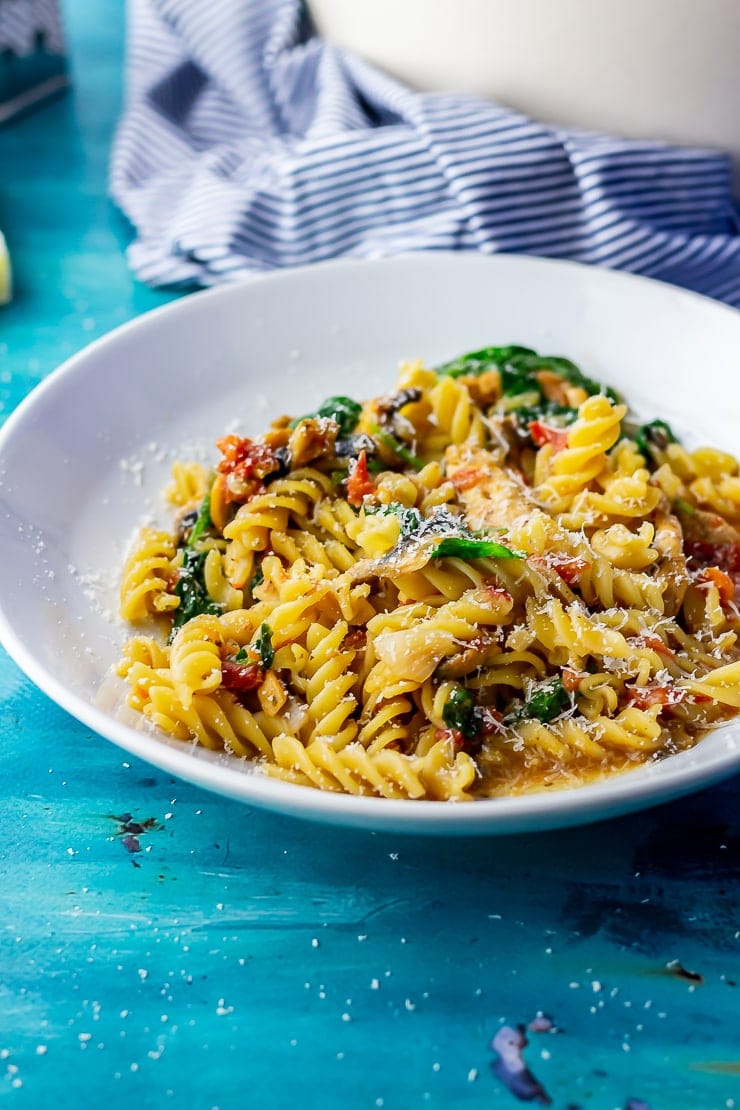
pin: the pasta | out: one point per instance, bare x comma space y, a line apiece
490, 581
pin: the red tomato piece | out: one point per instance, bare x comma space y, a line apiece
654, 643
490, 720
571, 679
452, 734
245, 458
725, 585
642, 697
544, 433
724, 556
241, 677
359, 482
496, 593
467, 477
571, 569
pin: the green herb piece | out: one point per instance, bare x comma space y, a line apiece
565, 369
242, 656
515, 382
392, 444
263, 645
463, 547
557, 416
191, 589
510, 406
478, 362
203, 520
410, 520
374, 466
256, 580
344, 410
459, 713
547, 703
682, 506
456, 540
654, 436
517, 366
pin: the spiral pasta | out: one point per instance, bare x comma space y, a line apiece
583, 457
489, 581
148, 575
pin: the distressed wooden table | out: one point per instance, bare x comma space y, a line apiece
163, 946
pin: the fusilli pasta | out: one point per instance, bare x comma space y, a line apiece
489, 581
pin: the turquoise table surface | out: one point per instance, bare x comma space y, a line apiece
240, 959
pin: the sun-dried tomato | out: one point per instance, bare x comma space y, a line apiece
467, 477
642, 697
452, 734
490, 719
359, 482
571, 678
246, 458
719, 578
569, 568
241, 677
356, 639
544, 433
725, 556
496, 593
654, 643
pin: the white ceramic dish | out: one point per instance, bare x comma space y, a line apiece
86, 456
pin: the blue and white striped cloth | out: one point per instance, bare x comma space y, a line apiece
248, 144
24, 22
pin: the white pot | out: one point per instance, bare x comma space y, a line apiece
645, 69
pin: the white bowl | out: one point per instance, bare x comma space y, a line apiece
87, 455
646, 69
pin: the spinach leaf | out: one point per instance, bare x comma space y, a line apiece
558, 416
654, 436
457, 541
566, 369
260, 651
203, 520
191, 589
459, 713
344, 410
440, 522
410, 520
263, 645
256, 580
478, 362
547, 703
515, 382
517, 366
465, 547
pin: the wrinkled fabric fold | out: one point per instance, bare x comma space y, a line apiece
26, 25
248, 144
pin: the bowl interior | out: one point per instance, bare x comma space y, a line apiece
84, 461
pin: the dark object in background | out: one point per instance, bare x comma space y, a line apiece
32, 62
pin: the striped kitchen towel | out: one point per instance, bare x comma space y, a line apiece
25, 24
32, 63
248, 144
